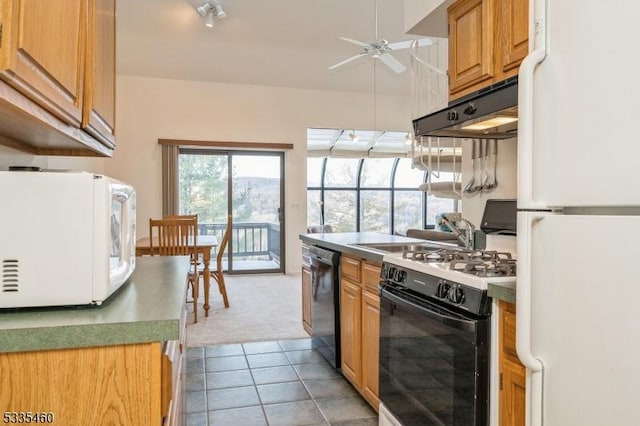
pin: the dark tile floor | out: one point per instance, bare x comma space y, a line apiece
282, 382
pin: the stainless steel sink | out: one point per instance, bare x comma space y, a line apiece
398, 247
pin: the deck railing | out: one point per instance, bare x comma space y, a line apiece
250, 239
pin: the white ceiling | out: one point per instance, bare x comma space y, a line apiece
288, 43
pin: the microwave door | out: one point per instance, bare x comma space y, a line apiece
121, 240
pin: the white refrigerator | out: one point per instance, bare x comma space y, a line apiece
578, 290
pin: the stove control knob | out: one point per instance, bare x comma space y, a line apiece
385, 271
456, 295
389, 272
442, 290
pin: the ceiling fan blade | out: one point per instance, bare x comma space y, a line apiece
407, 43
347, 60
392, 63
350, 40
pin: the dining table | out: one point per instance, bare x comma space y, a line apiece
204, 245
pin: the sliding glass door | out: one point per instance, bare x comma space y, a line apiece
250, 187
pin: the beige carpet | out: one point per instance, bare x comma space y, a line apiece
261, 307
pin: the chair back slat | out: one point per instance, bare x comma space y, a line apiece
184, 216
223, 242
173, 237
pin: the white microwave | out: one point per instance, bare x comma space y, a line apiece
66, 238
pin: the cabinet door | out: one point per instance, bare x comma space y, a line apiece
512, 372
371, 276
351, 330
370, 346
106, 385
99, 108
42, 53
350, 268
512, 394
306, 299
514, 21
471, 44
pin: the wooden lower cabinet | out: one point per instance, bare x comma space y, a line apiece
133, 384
306, 299
351, 330
512, 372
371, 346
360, 326
512, 394
306, 290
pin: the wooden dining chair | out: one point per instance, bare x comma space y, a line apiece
216, 272
195, 259
177, 237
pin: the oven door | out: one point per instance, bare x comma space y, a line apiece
433, 362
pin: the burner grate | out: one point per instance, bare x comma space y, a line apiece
484, 263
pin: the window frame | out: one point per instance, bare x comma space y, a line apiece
391, 188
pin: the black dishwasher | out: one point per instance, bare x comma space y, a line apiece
325, 303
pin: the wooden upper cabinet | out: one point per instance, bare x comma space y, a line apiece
57, 76
488, 39
515, 31
98, 118
42, 53
471, 46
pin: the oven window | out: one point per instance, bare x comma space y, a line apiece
428, 367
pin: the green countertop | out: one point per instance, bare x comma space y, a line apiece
147, 308
503, 291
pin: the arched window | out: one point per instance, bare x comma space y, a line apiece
370, 194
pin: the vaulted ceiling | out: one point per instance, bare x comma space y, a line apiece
289, 43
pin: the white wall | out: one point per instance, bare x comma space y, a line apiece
149, 109
426, 17
473, 203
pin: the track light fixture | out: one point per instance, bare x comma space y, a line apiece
210, 9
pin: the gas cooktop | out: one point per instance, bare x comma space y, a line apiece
475, 268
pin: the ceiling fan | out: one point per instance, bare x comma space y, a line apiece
380, 49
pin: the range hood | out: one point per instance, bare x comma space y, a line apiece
490, 113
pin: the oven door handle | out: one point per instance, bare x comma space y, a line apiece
448, 320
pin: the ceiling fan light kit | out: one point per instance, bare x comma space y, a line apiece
210, 10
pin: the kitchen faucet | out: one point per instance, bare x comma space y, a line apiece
466, 236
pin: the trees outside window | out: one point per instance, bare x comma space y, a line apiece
371, 194
202, 186
247, 185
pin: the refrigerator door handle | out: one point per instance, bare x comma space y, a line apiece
538, 52
526, 222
